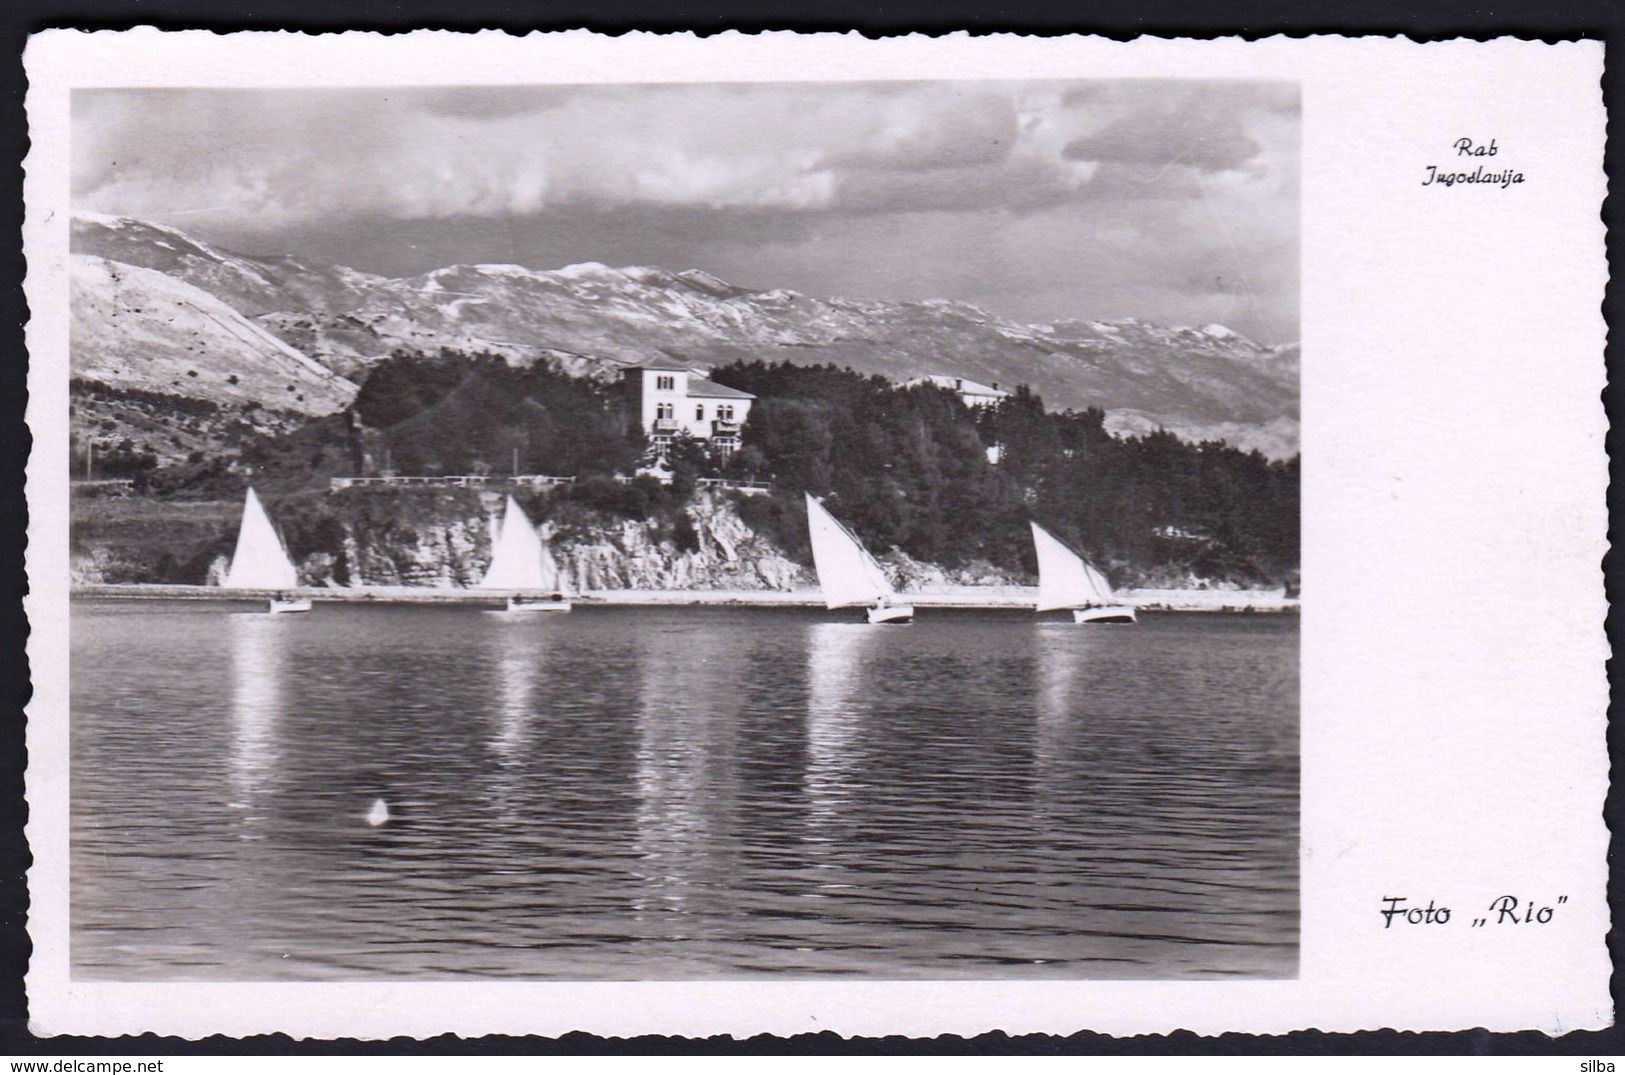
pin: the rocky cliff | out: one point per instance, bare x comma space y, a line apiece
451, 546
439, 538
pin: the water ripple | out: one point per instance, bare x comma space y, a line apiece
690, 793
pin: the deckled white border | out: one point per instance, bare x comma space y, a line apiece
1454, 476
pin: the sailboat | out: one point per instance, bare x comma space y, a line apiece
260, 561
847, 574
1065, 580
519, 562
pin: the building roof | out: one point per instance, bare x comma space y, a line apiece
707, 389
962, 385
662, 365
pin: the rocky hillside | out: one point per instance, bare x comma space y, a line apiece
138, 328
1199, 382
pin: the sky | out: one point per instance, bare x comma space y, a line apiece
1170, 201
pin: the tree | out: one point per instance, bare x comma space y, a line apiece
688, 460
908, 467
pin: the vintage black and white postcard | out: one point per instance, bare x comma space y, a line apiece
791, 533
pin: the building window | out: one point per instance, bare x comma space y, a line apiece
665, 383
665, 410
726, 412
699, 412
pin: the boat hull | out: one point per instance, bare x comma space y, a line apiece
891, 614
540, 604
1104, 614
281, 605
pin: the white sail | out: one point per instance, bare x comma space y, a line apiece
1064, 580
260, 562
1103, 589
516, 555
847, 574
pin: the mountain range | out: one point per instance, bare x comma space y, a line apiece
157, 310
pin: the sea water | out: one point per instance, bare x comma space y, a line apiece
619, 793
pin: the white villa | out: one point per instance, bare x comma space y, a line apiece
670, 399
971, 393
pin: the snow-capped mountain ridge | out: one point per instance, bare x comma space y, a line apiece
595, 319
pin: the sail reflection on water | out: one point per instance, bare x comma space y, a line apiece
835, 654
1058, 650
258, 646
689, 700
520, 651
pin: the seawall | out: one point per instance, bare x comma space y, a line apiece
990, 597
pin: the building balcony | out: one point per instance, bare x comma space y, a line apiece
725, 427
667, 425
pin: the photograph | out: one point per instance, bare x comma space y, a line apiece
799, 534
662, 531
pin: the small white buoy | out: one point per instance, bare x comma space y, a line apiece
378, 814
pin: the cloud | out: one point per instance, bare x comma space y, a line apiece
283, 156
921, 132
1038, 199
1178, 139
489, 102
1158, 126
1018, 187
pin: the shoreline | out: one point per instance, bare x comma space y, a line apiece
1012, 598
